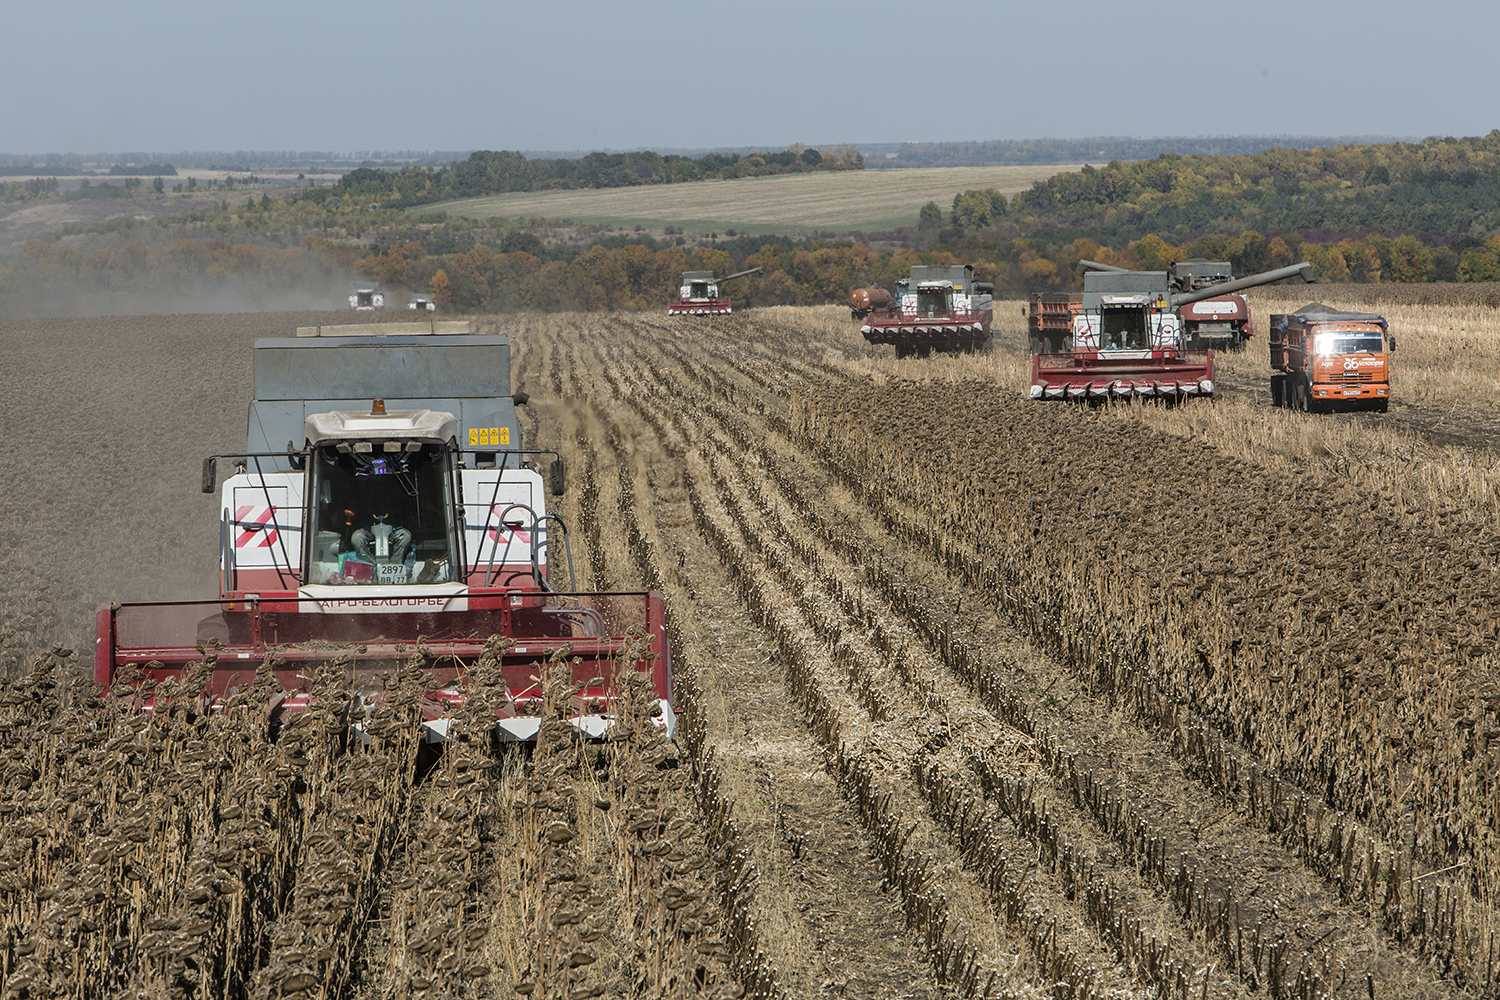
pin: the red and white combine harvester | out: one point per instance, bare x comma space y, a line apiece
937, 308
382, 510
1221, 322
699, 294
1125, 338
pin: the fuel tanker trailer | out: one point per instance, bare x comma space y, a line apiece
1127, 338
385, 508
863, 301
939, 307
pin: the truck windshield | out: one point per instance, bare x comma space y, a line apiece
1350, 342
381, 517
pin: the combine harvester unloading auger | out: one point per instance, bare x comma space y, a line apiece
397, 519
1126, 340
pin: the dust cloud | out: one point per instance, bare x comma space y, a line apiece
67, 297
106, 422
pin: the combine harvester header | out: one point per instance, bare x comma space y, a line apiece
382, 510
1127, 337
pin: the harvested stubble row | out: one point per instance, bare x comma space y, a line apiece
772, 376
1115, 926
1365, 677
607, 563
1205, 909
646, 542
862, 682
738, 876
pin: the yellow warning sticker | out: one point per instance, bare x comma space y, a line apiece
488, 437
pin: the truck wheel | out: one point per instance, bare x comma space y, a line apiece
1381, 405
1278, 390
1299, 396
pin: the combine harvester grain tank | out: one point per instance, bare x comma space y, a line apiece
1127, 337
938, 307
384, 504
699, 294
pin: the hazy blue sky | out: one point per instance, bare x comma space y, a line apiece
341, 76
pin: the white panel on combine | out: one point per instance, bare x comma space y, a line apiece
499, 511
265, 519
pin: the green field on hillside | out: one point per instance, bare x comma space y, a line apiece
868, 200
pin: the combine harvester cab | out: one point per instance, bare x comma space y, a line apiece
699, 294
937, 308
398, 527
1127, 339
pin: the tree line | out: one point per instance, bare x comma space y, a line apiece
499, 172
525, 274
1100, 149
1439, 190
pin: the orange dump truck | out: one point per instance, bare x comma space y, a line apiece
1328, 360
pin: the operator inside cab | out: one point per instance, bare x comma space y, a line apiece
382, 516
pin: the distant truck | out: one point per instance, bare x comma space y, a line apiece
422, 303
1328, 360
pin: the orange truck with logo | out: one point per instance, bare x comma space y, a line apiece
1327, 360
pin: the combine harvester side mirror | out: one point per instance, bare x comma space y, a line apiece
557, 475
210, 473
